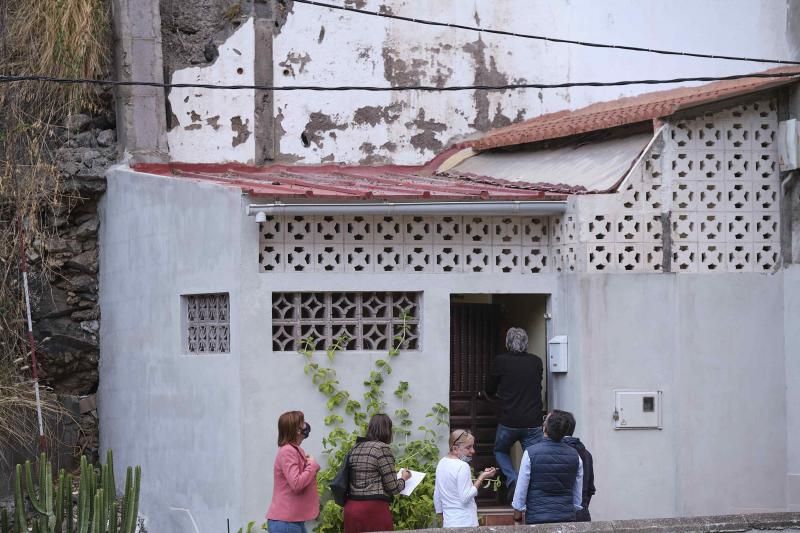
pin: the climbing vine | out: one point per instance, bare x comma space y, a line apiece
414, 448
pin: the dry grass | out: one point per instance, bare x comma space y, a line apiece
59, 38
20, 427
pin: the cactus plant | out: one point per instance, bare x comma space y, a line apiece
19, 502
4, 525
130, 500
44, 502
98, 507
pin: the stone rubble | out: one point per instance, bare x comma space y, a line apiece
64, 269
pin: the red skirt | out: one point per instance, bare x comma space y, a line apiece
362, 516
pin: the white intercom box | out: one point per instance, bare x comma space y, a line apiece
558, 354
636, 409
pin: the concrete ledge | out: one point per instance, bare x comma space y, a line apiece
725, 523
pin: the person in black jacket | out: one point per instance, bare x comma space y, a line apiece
588, 471
516, 381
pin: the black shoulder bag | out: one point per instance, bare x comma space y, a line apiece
340, 486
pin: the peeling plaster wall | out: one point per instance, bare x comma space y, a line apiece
373, 128
319, 46
340, 48
212, 126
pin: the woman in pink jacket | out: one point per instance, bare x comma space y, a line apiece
294, 496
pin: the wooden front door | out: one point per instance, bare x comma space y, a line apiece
474, 341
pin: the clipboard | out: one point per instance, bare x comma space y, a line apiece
412, 482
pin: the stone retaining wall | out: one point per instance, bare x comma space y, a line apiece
719, 524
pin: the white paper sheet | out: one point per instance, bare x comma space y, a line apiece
412, 482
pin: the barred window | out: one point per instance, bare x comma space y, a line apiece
371, 320
206, 323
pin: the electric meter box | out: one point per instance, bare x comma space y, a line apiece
558, 354
635, 409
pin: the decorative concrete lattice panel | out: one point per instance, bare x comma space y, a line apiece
419, 244
371, 321
711, 182
625, 234
724, 190
564, 231
207, 323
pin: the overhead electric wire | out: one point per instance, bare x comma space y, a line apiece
546, 38
396, 88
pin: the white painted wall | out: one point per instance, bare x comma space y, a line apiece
792, 351
274, 382
713, 344
204, 428
179, 417
700, 338
318, 46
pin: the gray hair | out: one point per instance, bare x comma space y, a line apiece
516, 340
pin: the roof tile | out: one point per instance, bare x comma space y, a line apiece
624, 111
393, 183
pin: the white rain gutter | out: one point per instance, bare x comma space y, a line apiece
488, 208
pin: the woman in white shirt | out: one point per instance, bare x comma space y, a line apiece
455, 491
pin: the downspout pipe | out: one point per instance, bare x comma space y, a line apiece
491, 208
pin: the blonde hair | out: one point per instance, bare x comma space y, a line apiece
459, 436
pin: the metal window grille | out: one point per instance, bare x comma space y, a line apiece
207, 323
371, 320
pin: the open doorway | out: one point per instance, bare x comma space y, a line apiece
478, 324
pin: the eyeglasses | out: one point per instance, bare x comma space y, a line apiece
463, 433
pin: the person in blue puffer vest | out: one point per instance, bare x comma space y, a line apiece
550, 480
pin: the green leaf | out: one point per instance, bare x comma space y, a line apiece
418, 448
331, 420
352, 406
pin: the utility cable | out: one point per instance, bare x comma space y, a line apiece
545, 38
397, 88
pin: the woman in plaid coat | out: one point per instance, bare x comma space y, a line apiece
373, 480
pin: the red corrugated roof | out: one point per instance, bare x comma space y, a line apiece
631, 110
326, 182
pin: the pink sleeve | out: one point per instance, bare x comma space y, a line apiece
298, 472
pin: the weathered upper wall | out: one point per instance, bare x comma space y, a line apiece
319, 46
211, 126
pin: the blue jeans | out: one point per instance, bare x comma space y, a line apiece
505, 439
279, 526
